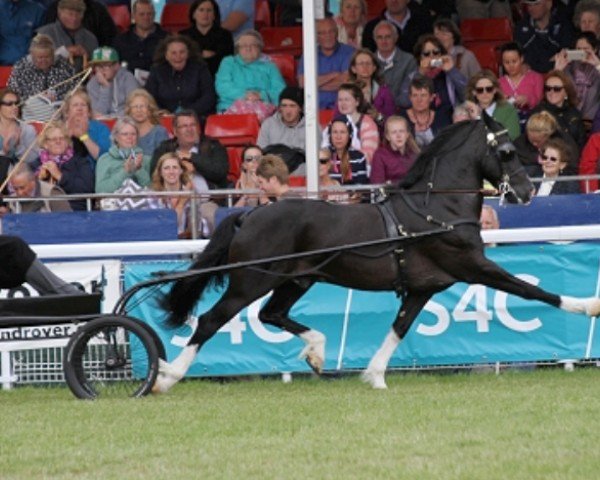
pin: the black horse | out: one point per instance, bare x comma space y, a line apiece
431, 220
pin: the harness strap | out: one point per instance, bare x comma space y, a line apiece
394, 229
430, 218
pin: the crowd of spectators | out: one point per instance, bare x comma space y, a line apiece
391, 82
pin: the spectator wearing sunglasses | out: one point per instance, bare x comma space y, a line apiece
448, 83
251, 157
553, 158
560, 99
484, 90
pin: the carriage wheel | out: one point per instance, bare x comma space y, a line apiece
111, 357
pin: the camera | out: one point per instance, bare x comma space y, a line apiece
436, 62
576, 55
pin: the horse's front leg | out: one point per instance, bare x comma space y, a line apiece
412, 305
488, 273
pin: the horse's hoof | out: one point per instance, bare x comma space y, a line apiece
161, 384
592, 307
314, 351
315, 363
375, 379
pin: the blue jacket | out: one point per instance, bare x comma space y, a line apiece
18, 22
235, 77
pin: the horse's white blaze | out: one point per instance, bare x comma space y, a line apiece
314, 351
170, 373
374, 375
589, 306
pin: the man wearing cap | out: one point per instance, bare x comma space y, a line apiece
287, 126
542, 34
111, 84
95, 18
68, 32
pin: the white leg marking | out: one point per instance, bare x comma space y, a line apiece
314, 351
374, 375
590, 306
170, 373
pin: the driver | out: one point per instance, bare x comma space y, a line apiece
18, 264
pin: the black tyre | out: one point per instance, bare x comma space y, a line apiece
111, 356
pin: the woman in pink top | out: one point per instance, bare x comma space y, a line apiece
523, 87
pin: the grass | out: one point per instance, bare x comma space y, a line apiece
519, 425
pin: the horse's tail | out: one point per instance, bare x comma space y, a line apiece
187, 291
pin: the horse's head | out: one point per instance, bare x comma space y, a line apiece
503, 167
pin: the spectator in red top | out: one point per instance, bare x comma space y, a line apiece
393, 159
589, 164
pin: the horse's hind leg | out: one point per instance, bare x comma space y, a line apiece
411, 306
276, 312
208, 324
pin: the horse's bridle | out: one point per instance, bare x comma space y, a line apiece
502, 152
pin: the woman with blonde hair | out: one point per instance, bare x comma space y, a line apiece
60, 165
540, 128
484, 89
351, 22
90, 137
170, 175
393, 159
143, 110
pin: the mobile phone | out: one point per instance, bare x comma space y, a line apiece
576, 55
436, 62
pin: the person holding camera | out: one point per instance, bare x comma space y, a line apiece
448, 83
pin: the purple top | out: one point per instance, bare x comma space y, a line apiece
384, 101
390, 165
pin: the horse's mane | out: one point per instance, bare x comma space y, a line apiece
447, 140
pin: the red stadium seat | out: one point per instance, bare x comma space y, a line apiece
297, 181
262, 14
167, 122
286, 64
488, 55
4, 74
174, 17
121, 16
325, 117
109, 122
484, 29
39, 126
374, 8
233, 130
235, 163
282, 40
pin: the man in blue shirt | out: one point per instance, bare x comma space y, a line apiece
332, 63
19, 20
236, 15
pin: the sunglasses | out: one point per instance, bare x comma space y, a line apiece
429, 53
324, 161
553, 88
548, 158
249, 158
9, 104
485, 89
